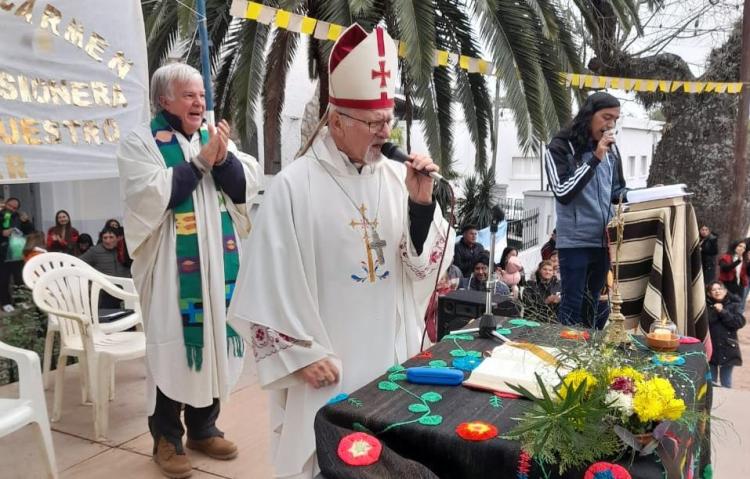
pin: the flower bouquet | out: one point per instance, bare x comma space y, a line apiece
600, 408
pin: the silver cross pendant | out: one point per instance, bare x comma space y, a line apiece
378, 244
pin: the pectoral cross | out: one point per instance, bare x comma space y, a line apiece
365, 224
378, 244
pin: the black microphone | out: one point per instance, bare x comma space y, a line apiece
393, 152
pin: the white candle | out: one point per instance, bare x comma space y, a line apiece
662, 334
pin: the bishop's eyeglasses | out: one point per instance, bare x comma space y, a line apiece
374, 126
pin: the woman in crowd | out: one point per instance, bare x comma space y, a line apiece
62, 238
542, 294
84, 243
731, 272
724, 319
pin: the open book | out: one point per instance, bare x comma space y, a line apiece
511, 365
657, 193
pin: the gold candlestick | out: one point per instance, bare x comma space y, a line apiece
615, 332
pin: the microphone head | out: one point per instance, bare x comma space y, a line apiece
388, 149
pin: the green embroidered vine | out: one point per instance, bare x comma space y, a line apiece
461, 352
422, 407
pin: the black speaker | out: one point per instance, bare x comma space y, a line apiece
457, 308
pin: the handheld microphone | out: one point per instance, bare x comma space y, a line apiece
393, 152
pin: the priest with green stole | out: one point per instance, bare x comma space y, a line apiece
343, 256
187, 191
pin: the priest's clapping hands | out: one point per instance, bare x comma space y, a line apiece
319, 374
215, 151
420, 186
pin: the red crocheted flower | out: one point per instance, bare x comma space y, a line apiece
424, 355
606, 470
573, 334
476, 431
359, 449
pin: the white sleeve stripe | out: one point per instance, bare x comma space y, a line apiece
565, 188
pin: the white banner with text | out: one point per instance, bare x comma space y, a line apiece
73, 82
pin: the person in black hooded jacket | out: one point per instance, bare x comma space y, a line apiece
724, 319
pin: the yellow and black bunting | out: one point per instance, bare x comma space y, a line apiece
330, 31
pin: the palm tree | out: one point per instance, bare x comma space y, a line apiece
529, 41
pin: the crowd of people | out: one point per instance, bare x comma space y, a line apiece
539, 293
20, 241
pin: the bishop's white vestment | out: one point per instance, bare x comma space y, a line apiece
150, 233
317, 283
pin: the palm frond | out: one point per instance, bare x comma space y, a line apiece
442, 80
556, 97
416, 24
278, 61
454, 33
422, 93
223, 83
333, 11
247, 79
511, 38
361, 8
162, 32
474, 207
218, 21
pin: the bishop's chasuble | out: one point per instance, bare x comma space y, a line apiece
150, 232
331, 273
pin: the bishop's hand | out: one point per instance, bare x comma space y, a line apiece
319, 374
420, 186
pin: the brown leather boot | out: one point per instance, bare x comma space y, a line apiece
216, 447
172, 464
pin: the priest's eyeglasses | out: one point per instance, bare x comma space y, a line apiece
374, 126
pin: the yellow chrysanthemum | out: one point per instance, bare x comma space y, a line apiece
674, 409
574, 379
654, 400
624, 372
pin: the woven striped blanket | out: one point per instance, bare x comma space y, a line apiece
660, 267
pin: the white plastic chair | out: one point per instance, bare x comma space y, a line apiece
72, 295
37, 266
30, 406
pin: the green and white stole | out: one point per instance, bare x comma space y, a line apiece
188, 258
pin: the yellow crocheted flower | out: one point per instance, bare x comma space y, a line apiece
624, 372
574, 379
654, 400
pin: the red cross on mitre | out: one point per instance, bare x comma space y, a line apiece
382, 73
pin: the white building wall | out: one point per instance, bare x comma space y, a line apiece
90, 203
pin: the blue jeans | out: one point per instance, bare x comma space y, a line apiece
724, 373
583, 272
